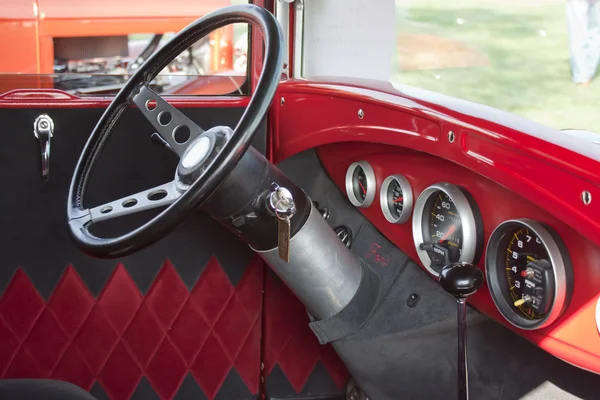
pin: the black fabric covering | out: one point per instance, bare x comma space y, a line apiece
351, 318
41, 389
405, 352
33, 212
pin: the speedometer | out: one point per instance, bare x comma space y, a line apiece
447, 227
529, 273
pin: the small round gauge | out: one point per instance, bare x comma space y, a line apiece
360, 184
528, 272
447, 227
396, 199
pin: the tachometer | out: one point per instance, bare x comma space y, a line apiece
396, 199
528, 272
447, 227
360, 184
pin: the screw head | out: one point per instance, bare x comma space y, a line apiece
282, 101
451, 137
586, 197
44, 124
361, 114
412, 300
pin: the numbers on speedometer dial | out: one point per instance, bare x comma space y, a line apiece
528, 273
525, 247
444, 221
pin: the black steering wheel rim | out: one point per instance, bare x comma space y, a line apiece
79, 219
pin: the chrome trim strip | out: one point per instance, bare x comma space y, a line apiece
298, 69
371, 184
282, 12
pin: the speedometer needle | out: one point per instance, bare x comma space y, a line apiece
448, 233
362, 187
397, 200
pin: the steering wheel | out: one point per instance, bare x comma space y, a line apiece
206, 157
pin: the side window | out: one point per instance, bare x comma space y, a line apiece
535, 58
93, 52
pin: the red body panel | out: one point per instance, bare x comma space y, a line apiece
510, 173
32, 24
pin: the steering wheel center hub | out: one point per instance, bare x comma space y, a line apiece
201, 152
196, 153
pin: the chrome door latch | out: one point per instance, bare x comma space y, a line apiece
43, 129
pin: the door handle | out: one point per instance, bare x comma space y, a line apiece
43, 129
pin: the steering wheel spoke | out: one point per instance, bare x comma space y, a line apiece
172, 125
159, 196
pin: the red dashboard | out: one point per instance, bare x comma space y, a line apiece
510, 173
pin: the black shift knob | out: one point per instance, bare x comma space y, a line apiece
461, 279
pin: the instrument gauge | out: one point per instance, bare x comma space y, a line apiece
529, 273
447, 227
360, 184
396, 199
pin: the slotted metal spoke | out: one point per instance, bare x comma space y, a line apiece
170, 123
159, 196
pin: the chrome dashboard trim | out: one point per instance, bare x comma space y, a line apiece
406, 194
371, 184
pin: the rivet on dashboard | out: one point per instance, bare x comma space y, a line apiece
586, 197
412, 300
282, 101
451, 137
361, 114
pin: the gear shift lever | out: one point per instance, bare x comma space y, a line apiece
461, 280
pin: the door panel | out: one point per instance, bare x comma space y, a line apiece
180, 318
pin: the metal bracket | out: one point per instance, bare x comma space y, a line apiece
43, 130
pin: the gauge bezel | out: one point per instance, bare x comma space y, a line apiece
371, 184
470, 219
561, 267
407, 201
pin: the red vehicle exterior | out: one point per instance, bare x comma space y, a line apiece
32, 26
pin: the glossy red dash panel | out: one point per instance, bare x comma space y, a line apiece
122, 336
321, 120
513, 167
322, 112
496, 204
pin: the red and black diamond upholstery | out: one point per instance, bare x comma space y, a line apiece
211, 333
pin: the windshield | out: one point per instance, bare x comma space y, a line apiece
92, 49
534, 58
